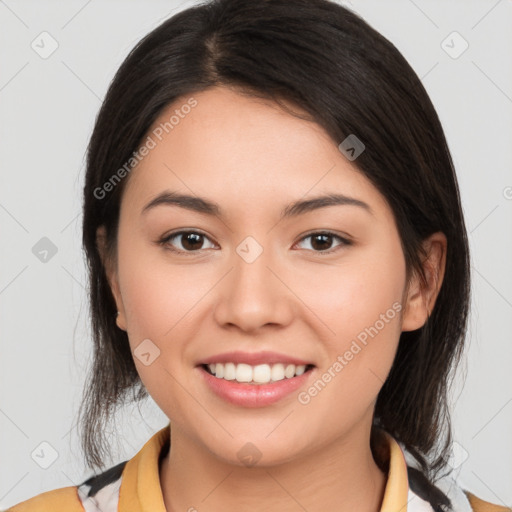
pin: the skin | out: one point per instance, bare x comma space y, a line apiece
253, 159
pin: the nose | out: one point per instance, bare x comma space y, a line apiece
254, 294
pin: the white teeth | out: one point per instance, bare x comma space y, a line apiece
277, 372
229, 371
259, 374
289, 371
300, 369
243, 372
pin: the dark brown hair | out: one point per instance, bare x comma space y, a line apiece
328, 61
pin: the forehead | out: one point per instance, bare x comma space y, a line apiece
244, 151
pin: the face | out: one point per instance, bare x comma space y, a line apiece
323, 285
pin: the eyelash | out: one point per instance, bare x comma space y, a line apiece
164, 241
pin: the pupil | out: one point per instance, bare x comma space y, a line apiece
316, 237
191, 242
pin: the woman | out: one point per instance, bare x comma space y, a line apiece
302, 349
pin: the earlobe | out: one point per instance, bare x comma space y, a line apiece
120, 321
421, 295
111, 274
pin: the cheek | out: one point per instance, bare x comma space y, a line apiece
159, 300
359, 358
163, 303
354, 295
158, 296
359, 304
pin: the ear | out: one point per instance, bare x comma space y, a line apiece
420, 297
111, 273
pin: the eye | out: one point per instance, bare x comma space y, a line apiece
322, 240
192, 242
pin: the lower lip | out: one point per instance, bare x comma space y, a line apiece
253, 395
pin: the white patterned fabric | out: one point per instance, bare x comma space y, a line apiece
447, 484
105, 500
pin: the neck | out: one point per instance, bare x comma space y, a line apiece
342, 476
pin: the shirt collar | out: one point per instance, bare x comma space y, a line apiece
141, 491
397, 485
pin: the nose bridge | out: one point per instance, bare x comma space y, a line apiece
252, 280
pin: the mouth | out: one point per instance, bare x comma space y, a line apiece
262, 385
255, 375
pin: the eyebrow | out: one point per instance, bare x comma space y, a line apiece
207, 207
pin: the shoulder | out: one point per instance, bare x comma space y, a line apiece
446, 492
102, 492
65, 499
98, 493
479, 505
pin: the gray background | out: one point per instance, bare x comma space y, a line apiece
48, 106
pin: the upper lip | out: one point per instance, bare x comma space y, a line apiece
254, 358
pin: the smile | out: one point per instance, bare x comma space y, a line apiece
258, 374
248, 392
